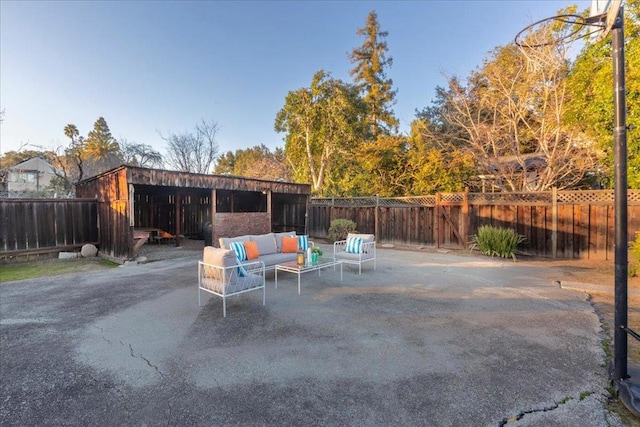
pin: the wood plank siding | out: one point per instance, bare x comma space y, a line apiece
184, 204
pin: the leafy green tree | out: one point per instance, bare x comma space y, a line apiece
384, 167
256, 162
432, 167
321, 123
590, 86
371, 61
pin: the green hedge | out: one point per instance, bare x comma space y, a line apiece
339, 229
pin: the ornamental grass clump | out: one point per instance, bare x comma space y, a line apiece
497, 241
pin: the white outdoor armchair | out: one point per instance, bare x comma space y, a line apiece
220, 273
354, 251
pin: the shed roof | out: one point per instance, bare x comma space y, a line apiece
165, 178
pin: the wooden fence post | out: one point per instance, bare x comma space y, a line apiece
554, 222
436, 221
178, 219
214, 208
464, 233
375, 216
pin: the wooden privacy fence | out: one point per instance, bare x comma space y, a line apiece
39, 226
558, 224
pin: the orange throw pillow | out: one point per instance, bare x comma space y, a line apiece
251, 248
289, 245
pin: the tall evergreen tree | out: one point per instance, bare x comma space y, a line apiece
371, 61
100, 143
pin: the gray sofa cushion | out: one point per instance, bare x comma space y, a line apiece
266, 243
225, 242
272, 259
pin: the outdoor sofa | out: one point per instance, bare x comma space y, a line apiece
269, 247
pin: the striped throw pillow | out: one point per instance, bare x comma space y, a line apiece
303, 242
238, 248
242, 272
354, 245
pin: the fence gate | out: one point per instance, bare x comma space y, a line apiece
451, 219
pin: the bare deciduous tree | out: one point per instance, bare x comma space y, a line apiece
509, 116
140, 154
193, 151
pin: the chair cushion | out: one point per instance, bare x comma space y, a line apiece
240, 251
279, 237
266, 243
366, 238
251, 248
354, 245
289, 244
220, 258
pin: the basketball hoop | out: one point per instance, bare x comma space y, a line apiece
567, 28
542, 42
556, 30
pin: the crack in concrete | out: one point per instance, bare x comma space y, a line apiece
143, 358
553, 407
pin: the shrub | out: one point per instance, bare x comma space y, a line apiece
497, 241
340, 228
634, 264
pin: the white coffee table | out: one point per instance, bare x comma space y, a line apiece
293, 267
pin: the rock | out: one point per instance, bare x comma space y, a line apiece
89, 251
142, 259
67, 255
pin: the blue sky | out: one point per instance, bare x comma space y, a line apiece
161, 66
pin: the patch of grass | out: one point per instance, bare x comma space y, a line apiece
565, 400
31, 270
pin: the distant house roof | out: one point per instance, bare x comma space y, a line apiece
35, 164
528, 162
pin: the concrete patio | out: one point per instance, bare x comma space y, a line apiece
432, 338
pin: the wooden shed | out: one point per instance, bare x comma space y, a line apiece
199, 206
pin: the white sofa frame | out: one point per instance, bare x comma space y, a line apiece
367, 253
226, 282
